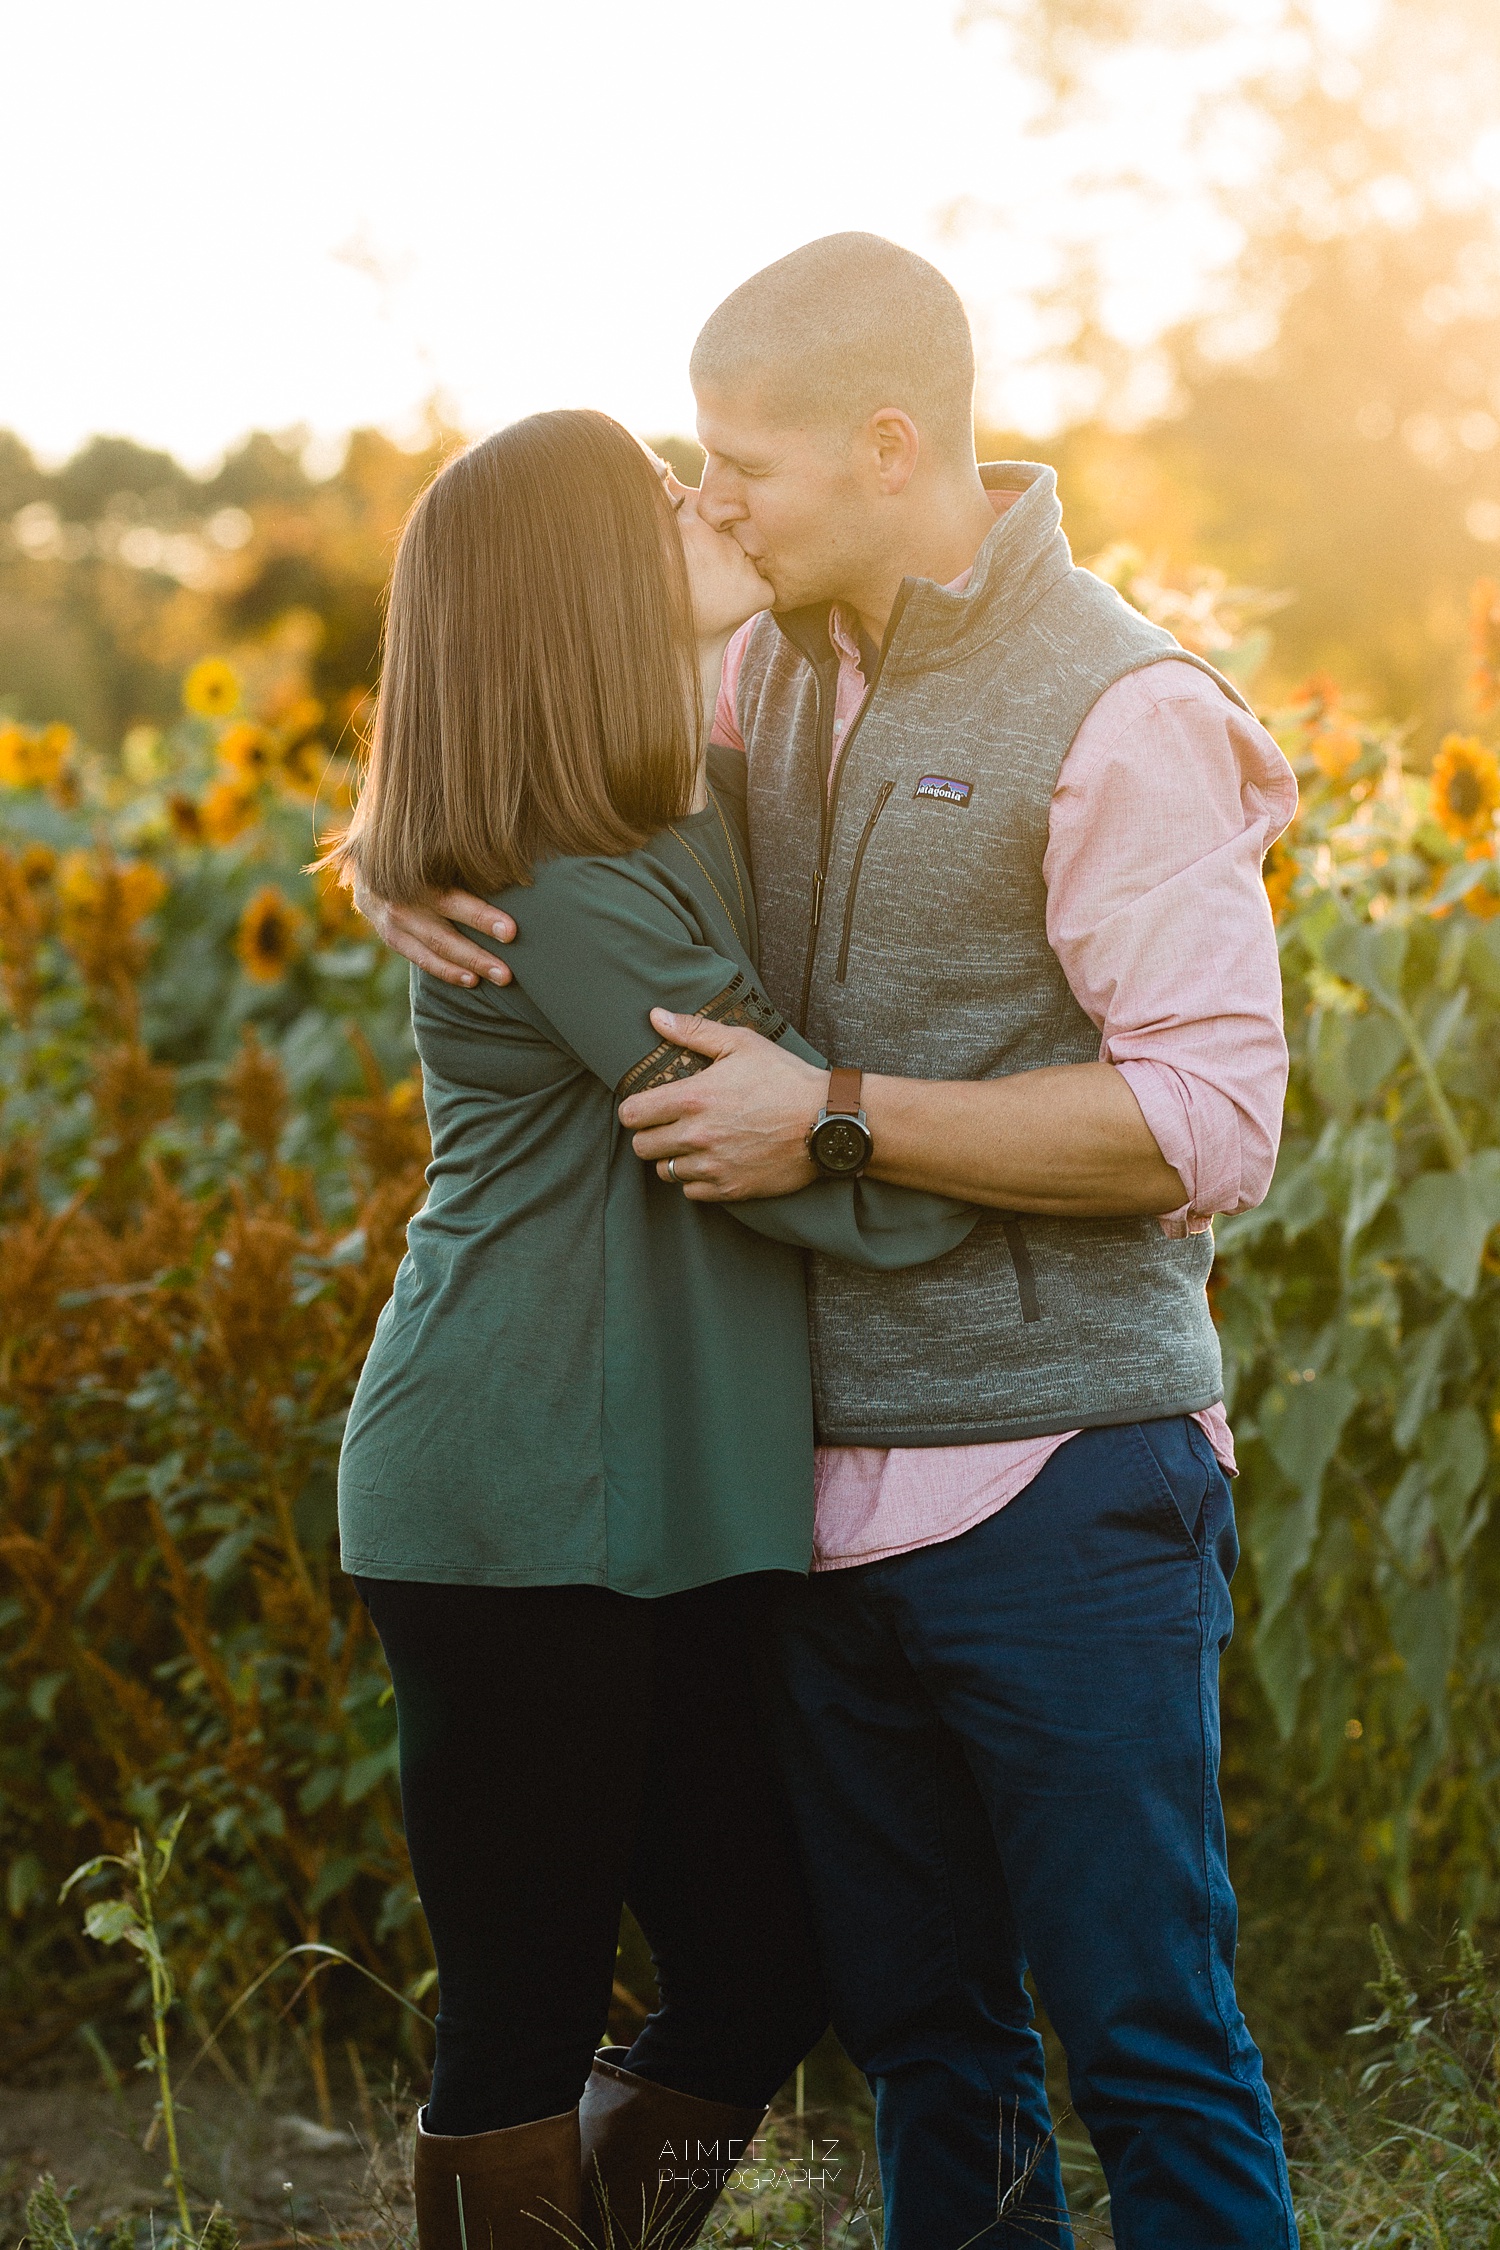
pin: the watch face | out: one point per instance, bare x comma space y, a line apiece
839, 1145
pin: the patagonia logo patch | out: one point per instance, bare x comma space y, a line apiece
942, 791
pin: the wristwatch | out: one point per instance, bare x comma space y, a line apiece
841, 1143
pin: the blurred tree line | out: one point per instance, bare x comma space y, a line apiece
118, 569
1326, 428
1353, 469
1328, 425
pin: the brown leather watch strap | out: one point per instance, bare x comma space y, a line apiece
844, 1082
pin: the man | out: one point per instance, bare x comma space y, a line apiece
1007, 842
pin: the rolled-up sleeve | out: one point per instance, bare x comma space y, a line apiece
1166, 805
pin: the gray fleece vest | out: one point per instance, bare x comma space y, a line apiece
903, 927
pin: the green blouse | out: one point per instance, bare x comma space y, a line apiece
582, 1378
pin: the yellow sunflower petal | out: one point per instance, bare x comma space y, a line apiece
212, 688
15, 759
247, 750
226, 810
270, 935
1465, 788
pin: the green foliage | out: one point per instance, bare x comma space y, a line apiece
798, 2184
1416, 2163
160, 891
49, 2226
205, 1174
131, 1918
1359, 1309
196, 1235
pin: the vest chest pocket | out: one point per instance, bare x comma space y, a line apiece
882, 799
939, 849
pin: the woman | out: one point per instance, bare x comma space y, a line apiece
583, 1436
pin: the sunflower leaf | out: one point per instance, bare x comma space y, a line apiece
1447, 1218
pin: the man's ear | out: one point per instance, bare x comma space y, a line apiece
896, 443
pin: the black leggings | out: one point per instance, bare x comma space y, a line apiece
564, 1748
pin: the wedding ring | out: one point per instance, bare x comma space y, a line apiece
672, 1170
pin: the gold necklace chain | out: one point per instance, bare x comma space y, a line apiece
734, 861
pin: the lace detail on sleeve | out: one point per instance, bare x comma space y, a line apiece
740, 1005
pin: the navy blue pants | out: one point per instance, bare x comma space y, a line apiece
1003, 1752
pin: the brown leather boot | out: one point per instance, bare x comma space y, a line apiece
516, 2189
654, 2162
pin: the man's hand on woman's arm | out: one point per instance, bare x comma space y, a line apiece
1069, 1141
1166, 805
427, 936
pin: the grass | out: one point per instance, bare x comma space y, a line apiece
1410, 2156
264, 2177
1400, 2152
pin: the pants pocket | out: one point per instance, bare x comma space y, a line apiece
1179, 1474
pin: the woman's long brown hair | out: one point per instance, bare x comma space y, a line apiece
538, 691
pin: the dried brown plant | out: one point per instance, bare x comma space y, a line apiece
178, 1342
254, 1096
26, 909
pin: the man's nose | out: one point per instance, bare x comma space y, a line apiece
718, 503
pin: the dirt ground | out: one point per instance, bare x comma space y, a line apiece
279, 2174
290, 2183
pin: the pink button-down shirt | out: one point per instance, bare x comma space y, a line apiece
1167, 802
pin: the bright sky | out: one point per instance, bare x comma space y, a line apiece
217, 216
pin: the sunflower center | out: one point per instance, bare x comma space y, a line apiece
1465, 798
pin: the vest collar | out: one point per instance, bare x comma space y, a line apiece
1019, 561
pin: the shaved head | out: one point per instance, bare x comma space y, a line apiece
840, 328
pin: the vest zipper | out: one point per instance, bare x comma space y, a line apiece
828, 795
1020, 1258
881, 801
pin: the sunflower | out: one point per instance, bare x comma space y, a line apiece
33, 760
121, 892
1278, 874
1484, 645
1332, 737
49, 753
270, 935
187, 819
226, 810
337, 914
303, 767
1318, 698
1336, 749
79, 884
304, 716
212, 689
142, 889
1465, 789
38, 865
15, 758
248, 751
1483, 902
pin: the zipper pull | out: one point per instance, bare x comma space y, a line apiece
817, 906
